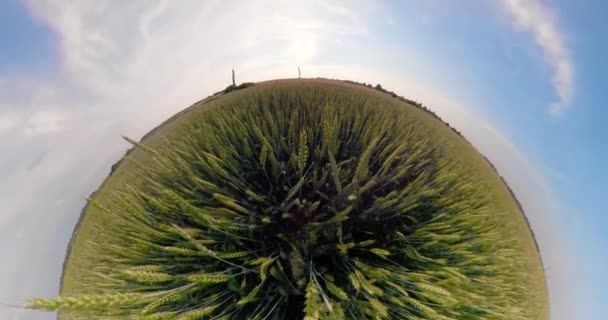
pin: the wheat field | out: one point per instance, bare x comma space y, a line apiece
302, 199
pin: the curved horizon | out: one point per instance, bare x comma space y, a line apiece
520, 79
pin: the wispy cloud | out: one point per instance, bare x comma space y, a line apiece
7, 122
44, 122
534, 17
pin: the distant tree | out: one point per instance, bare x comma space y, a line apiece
299, 73
233, 80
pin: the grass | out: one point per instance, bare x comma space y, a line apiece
312, 199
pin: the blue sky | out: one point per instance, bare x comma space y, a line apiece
26, 45
524, 80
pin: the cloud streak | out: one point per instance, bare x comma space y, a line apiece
532, 16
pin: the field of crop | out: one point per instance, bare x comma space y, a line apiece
313, 199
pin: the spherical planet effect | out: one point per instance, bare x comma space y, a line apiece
302, 199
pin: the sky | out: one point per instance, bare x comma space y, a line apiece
523, 80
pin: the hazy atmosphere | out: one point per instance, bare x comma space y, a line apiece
523, 80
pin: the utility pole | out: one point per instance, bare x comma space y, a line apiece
299, 74
233, 81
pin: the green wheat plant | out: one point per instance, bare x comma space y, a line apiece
305, 201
